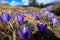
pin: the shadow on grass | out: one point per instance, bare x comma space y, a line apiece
48, 35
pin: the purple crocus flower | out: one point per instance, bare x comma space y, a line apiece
50, 7
54, 20
20, 18
41, 27
37, 16
5, 16
32, 12
46, 12
50, 15
24, 32
25, 12
43, 9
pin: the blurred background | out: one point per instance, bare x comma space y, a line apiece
28, 2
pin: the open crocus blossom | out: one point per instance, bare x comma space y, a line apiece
54, 20
41, 27
50, 15
5, 16
24, 32
20, 18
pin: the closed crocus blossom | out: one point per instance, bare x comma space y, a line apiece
50, 15
54, 20
24, 32
5, 16
20, 18
41, 27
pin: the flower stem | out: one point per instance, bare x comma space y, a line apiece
14, 35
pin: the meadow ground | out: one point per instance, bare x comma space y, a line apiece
28, 17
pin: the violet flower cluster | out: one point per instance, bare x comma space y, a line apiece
25, 31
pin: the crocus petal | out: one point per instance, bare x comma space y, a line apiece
1, 19
9, 17
4, 15
20, 33
46, 12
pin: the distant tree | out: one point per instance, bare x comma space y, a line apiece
41, 5
32, 2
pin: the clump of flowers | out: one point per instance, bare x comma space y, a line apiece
24, 30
